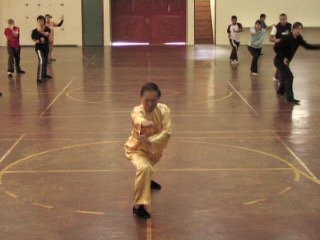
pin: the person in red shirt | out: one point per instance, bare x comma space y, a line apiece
12, 33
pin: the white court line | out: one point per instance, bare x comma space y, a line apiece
296, 157
12, 147
246, 102
56, 98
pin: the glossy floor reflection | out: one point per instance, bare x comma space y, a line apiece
242, 162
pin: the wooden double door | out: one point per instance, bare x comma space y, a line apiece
148, 21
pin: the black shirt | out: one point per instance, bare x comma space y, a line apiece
288, 46
35, 35
283, 30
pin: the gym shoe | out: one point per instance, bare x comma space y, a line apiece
293, 100
155, 185
141, 212
254, 73
10, 75
234, 62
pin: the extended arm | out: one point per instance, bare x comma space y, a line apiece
310, 46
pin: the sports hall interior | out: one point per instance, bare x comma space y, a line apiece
242, 163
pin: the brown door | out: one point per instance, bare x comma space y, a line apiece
150, 21
167, 21
129, 22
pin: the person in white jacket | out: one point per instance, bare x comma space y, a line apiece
257, 36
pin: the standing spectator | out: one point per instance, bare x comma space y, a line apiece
12, 34
50, 24
234, 30
283, 28
40, 36
257, 36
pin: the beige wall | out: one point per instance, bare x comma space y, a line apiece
25, 18
306, 12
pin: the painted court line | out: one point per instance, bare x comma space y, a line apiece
160, 170
90, 212
12, 147
149, 226
56, 98
246, 102
42, 205
296, 157
255, 201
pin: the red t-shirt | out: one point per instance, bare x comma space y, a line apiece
13, 41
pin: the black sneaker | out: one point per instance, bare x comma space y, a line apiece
292, 100
0, 94
141, 212
10, 75
155, 185
21, 71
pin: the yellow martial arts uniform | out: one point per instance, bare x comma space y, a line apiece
143, 156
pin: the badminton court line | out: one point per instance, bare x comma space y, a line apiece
296, 157
246, 102
56, 98
12, 147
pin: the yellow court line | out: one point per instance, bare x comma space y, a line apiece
12, 147
160, 170
3, 171
286, 190
255, 201
296, 157
55, 99
90, 212
11, 194
42, 205
246, 102
149, 226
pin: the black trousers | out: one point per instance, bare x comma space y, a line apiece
255, 53
13, 58
42, 54
234, 52
286, 78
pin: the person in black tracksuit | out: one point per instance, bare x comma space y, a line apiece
285, 50
282, 29
40, 36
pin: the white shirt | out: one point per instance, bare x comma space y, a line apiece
232, 30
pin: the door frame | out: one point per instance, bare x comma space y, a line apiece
103, 23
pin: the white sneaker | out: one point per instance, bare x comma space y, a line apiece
275, 79
234, 62
254, 73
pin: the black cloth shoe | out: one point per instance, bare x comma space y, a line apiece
141, 212
21, 71
292, 100
0, 93
47, 76
155, 185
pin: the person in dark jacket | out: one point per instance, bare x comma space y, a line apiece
285, 50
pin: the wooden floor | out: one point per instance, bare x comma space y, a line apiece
242, 162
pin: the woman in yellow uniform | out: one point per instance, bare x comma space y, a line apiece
150, 135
